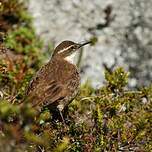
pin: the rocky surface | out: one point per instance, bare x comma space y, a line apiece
117, 25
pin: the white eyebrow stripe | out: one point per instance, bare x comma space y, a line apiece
65, 49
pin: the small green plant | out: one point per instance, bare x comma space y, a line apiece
116, 80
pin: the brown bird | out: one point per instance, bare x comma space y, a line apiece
57, 83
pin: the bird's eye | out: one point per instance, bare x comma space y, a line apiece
72, 47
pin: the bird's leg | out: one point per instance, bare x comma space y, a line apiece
60, 108
62, 117
66, 115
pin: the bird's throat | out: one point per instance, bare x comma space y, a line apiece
71, 58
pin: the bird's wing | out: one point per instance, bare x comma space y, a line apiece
32, 85
37, 80
47, 93
53, 92
44, 90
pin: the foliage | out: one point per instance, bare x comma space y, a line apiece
13, 13
23, 58
111, 118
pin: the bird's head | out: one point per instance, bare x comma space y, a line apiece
66, 48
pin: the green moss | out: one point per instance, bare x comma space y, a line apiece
22, 40
116, 80
13, 14
6, 109
106, 119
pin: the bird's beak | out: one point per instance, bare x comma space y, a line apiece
85, 43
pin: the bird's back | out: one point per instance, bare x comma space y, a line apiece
57, 81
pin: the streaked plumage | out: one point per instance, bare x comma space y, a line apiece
57, 82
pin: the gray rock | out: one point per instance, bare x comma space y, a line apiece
119, 39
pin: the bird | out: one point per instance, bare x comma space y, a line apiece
57, 82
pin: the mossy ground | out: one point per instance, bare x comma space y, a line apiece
111, 118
